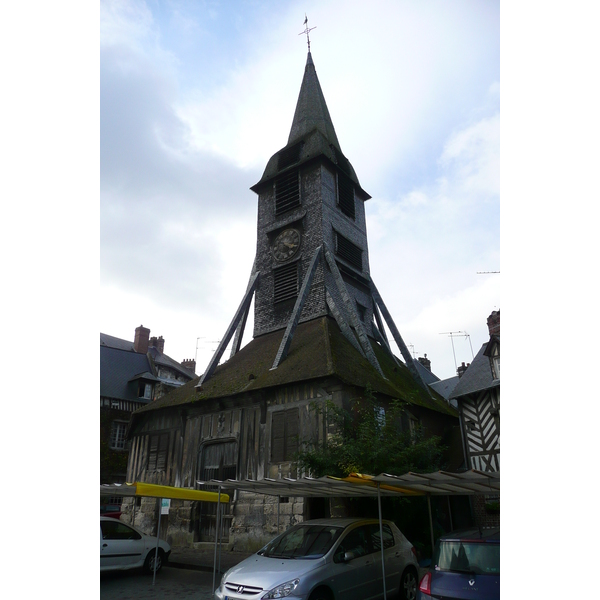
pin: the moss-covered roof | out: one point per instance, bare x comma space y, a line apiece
318, 349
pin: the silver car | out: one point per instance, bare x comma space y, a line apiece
123, 547
327, 559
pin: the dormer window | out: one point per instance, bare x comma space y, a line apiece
495, 360
145, 390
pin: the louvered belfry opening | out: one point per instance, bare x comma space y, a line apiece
289, 156
350, 252
346, 195
287, 192
285, 282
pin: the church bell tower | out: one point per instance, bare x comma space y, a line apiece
312, 257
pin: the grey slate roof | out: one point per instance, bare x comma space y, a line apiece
119, 371
477, 377
318, 350
446, 386
426, 375
115, 342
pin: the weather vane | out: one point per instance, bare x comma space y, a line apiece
307, 31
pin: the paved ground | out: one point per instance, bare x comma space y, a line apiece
171, 583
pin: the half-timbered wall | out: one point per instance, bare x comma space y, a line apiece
480, 419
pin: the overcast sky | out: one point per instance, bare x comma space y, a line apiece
195, 98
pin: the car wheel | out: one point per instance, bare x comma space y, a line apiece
149, 562
408, 584
321, 594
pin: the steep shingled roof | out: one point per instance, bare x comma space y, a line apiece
319, 349
477, 377
312, 127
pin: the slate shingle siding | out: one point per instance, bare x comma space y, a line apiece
318, 219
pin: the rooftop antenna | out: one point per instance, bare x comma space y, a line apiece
307, 30
452, 335
412, 347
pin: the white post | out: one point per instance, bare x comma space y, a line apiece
216, 539
157, 538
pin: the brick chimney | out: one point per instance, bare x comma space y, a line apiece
493, 323
461, 370
158, 343
189, 363
425, 362
140, 342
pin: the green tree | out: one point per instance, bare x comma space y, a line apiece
368, 440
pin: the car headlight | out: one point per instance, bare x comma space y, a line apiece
283, 590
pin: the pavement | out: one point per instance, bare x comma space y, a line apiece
202, 559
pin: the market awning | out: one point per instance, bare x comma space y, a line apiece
152, 490
439, 483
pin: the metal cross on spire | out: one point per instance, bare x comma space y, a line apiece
307, 30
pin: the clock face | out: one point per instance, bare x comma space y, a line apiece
286, 244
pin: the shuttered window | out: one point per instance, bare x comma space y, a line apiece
157, 456
346, 195
219, 461
285, 282
350, 252
284, 435
287, 192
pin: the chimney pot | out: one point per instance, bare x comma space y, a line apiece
493, 323
425, 362
140, 342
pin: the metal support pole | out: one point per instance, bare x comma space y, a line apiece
381, 539
278, 501
430, 523
450, 513
216, 539
157, 538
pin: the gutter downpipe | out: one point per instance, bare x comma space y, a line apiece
216, 540
381, 538
157, 538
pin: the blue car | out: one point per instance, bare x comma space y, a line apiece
464, 565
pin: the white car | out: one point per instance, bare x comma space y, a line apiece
327, 559
123, 547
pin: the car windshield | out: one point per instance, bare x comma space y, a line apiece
303, 541
467, 557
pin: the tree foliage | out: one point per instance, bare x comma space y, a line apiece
366, 440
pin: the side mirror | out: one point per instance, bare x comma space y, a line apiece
348, 556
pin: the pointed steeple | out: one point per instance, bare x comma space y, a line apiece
312, 136
311, 109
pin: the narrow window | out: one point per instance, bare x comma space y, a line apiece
118, 431
350, 252
157, 456
346, 195
285, 282
287, 192
284, 435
